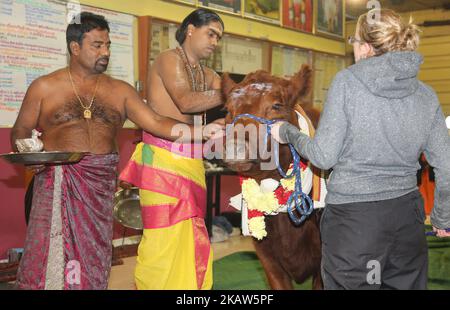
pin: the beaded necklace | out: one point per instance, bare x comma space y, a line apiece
196, 76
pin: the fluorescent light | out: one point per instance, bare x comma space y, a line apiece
447, 121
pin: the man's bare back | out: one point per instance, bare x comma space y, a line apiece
170, 94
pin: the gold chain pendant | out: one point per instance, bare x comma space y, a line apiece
87, 110
87, 113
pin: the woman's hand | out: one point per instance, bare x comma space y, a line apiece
275, 132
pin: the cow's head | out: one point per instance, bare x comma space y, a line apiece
265, 96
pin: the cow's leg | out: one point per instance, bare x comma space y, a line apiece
278, 278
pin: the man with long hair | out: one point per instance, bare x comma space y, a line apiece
175, 251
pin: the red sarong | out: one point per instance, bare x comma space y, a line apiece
69, 236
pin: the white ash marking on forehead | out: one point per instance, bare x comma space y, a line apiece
262, 88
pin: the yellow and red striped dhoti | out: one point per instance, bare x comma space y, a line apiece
175, 251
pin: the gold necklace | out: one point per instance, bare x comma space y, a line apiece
87, 110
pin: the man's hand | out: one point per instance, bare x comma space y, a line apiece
220, 121
214, 130
275, 132
125, 185
441, 232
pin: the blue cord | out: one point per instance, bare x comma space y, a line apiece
303, 203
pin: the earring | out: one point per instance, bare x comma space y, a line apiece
190, 33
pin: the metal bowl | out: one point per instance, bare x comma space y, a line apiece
127, 208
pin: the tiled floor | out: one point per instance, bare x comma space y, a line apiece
122, 276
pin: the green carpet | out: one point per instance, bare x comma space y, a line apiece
438, 263
243, 271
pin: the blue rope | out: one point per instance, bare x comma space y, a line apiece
303, 203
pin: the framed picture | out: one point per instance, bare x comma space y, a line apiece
298, 14
286, 61
263, 10
241, 56
230, 6
330, 17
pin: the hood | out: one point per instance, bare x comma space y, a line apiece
391, 75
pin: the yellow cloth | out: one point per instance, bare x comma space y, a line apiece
165, 160
166, 260
166, 256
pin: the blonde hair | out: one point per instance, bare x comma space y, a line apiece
387, 32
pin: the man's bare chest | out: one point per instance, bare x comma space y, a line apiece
58, 111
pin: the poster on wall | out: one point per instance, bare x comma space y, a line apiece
330, 17
232, 6
241, 56
287, 61
325, 69
32, 44
162, 38
264, 10
298, 14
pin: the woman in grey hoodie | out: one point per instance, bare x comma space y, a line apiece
376, 122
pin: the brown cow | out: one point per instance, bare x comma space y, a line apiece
288, 252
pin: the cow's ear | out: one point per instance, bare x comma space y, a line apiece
300, 85
227, 84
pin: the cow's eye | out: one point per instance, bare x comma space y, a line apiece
277, 106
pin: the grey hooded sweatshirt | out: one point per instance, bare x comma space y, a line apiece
377, 120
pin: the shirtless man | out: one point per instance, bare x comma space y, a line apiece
169, 83
78, 109
175, 252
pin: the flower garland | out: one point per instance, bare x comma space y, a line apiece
261, 203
